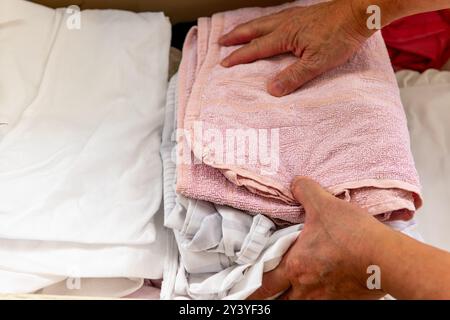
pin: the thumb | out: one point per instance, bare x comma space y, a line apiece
292, 78
310, 195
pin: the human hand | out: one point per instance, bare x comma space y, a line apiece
322, 36
329, 259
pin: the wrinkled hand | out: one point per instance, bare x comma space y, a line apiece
322, 36
326, 261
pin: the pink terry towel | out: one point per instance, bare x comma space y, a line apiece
240, 146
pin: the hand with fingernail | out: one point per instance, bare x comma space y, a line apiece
325, 261
321, 36
337, 246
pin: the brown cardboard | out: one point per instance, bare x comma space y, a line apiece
177, 10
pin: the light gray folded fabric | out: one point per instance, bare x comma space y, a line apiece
212, 238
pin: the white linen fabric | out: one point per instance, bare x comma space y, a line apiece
426, 98
95, 287
223, 252
26, 33
218, 236
29, 266
81, 114
86, 147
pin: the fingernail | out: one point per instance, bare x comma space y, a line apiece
225, 63
296, 181
222, 40
276, 88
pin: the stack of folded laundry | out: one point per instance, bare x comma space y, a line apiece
80, 172
88, 153
230, 151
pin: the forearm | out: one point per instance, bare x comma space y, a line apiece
409, 268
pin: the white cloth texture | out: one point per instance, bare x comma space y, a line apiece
80, 173
94, 287
223, 252
426, 98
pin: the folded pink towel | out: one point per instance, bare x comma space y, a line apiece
346, 129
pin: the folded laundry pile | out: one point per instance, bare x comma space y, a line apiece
419, 42
85, 160
230, 151
242, 147
80, 172
219, 252
214, 245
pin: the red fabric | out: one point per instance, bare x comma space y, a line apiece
419, 42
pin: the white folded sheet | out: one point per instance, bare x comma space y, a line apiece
26, 34
27, 266
426, 98
82, 163
80, 171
